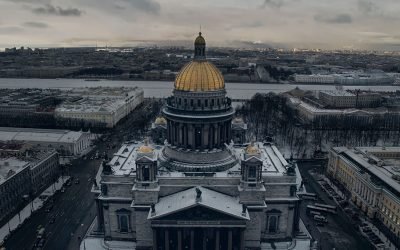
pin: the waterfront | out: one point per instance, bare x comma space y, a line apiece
163, 89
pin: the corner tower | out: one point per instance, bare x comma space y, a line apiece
199, 118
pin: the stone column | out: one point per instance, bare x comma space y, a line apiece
191, 239
230, 239
191, 136
241, 239
166, 239
204, 240
180, 135
154, 239
100, 219
205, 136
185, 135
179, 239
217, 240
172, 133
218, 137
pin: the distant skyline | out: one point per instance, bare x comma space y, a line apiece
324, 24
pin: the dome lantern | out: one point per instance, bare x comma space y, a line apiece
200, 48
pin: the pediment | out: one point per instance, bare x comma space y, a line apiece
199, 213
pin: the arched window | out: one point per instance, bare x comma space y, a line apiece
123, 218
273, 216
272, 224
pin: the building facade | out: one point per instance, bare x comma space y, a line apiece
25, 175
197, 190
371, 175
99, 107
15, 183
44, 169
344, 99
66, 142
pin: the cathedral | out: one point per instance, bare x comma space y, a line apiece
202, 188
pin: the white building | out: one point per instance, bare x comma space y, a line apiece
345, 99
99, 107
316, 79
66, 142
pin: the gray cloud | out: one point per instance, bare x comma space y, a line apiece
10, 29
49, 9
28, 1
38, 25
339, 18
272, 3
367, 6
149, 6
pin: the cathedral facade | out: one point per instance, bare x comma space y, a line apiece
198, 190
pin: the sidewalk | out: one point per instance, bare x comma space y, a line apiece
26, 212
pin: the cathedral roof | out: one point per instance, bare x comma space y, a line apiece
199, 76
210, 199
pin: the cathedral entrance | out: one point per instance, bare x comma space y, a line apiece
202, 238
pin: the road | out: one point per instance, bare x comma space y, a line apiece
74, 210
340, 232
69, 211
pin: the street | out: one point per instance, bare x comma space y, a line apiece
339, 232
74, 210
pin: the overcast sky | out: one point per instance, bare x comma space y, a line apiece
357, 24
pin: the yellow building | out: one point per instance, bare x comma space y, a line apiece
372, 177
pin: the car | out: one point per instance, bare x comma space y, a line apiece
62, 190
77, 181
52, 220
320, 224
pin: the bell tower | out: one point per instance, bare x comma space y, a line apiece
146, 167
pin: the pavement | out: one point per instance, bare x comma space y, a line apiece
340, 232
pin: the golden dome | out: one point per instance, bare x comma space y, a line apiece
145, 149
160, 121
252, 150
199, 75
200, 40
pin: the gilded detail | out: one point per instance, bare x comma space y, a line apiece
199, 76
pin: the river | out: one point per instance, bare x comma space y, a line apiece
164, 89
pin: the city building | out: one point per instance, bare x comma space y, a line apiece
98, 107
371, 176
347, 78
44, 169
346, 99
15, 184
198, 190
66, 142
25, 175
310, 113
314, 79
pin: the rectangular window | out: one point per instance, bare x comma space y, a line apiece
123, 223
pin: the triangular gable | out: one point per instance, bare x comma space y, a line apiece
209, 199
144, 158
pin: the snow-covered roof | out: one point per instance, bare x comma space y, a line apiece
10, 166
363, 158
39, 135
210, 199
